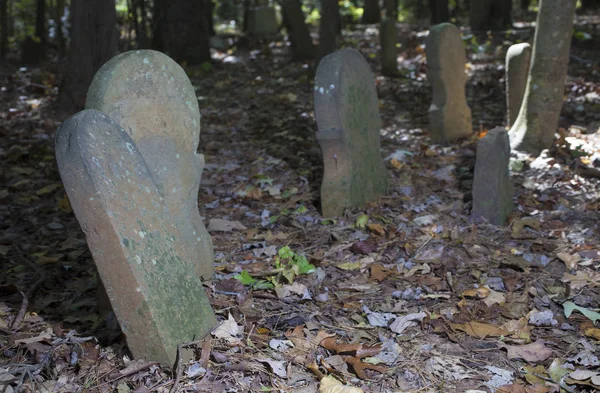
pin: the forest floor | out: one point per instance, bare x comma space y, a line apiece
407, 295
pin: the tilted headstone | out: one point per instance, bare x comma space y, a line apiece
261, 20
518, 58
151, 97
389, 53
141, 255
449, 115
347, 113
492, 189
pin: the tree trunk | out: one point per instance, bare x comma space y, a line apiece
327, 28
40, 20
299, 36
490, 15
590, 4
93, 43
534, 128
182, 29
440, 12
371, 12
391, 9
60, 37
3, 28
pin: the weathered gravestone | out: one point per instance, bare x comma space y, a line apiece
261, 20
449, 115
151, 97
389, 52
141, 256
492, 190
518, 58
347, 114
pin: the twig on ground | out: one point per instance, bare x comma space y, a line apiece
16, 324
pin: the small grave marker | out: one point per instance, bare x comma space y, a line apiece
347, 114
518, 58
492, 190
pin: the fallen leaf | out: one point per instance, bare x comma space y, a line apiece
219, 225
400, 324
569, 307
277, 366
569, 260
479, 329
518, 225
331, 385
228, 330
377, 228
534, 352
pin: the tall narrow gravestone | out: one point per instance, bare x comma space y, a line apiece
140, 253
449, 115
151, 97
492, 190
347, 114
518, 59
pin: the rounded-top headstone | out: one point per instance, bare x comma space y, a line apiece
150, 96
518, 59
449, 115
347, 114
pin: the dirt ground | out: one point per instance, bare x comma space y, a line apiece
406, 295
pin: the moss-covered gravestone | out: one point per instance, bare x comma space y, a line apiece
518, 59
347, 114
449, 115
151, 97
492, 189
141, 255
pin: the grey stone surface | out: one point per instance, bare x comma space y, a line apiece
492, 189
262, 21
347, 114
518, 59
142, 259
449, 115
151, 97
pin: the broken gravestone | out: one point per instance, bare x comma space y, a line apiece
140, 253
449, 115
151, 97
389, 52
347, 114
492, 190
518, 58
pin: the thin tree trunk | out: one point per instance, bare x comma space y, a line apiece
40, 20
182, 29
59, 11
327, 27
371, 12
3, 28
440, 12
142, 38
93, 43
534, 128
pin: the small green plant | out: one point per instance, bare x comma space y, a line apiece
288, 265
